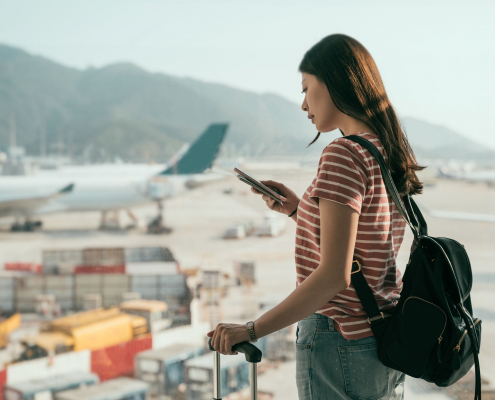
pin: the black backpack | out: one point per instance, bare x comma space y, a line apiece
431, 334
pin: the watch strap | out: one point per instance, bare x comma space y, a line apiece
250, 329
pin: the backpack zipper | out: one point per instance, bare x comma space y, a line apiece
458, 347
445, 323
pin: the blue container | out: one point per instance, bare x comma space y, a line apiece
163, 369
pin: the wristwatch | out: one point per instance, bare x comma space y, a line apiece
250, 329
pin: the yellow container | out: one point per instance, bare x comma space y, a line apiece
108, 332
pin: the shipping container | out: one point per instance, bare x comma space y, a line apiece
172, 285
111, 287
234, 375
152, 268
43, 368
160, 287
7, 285
48, 387
117, 389
211, 279
164, 369
103, 256
27, 289
103, 333
192, 334
23, 267
3, 380
9, 322
114, 361
148, 254
245, 272
69, 322
155, 312
99, 269
61, 261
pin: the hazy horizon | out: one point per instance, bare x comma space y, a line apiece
422, 51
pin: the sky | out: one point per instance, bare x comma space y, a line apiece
436, 58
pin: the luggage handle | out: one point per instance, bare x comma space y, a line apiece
253, 356
252, 353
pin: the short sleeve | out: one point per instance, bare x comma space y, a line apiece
341, 176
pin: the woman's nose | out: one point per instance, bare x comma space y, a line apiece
304, 106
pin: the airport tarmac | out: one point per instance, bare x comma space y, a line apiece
200, 218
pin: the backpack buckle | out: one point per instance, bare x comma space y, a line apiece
381, 315
359, 265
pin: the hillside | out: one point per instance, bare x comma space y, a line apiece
124, 111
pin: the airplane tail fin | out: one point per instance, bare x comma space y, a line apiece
66, 189
201, 154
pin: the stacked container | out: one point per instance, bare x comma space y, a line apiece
28, 287
61, 261
163, 369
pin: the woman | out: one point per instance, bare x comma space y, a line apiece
345, 214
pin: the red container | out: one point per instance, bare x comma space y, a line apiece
98, 269
118, 360
23, 266
3, 381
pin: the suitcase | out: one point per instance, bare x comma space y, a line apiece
253, 356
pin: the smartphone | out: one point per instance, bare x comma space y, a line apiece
259, 186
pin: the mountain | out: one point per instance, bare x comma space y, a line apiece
123, 111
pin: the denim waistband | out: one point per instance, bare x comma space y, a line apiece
323, 321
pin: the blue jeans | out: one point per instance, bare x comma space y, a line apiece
328, 366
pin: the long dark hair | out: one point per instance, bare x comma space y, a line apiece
356, 88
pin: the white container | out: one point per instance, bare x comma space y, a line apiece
152, 268
46, 367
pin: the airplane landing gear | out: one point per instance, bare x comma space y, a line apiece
156, 226
110, 223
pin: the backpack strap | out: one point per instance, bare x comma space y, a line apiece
474, 343
364, 292
389, 182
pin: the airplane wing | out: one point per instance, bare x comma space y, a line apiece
462, 215
201, 154
202, 179
26, 204
457, 215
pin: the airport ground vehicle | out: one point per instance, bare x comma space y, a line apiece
154, 311
46, 388
93, 330
163, 369
9, 321
116, 389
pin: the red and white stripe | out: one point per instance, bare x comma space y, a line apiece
350, 175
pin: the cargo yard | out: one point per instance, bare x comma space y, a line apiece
89, 313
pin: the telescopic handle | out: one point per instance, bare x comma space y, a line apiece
252, 353
253, 356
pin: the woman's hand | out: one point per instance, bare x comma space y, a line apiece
224, 336
289, 205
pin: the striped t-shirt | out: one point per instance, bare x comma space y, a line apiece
349, 174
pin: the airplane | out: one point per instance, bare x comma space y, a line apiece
456, 214
110, 188
487, 176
